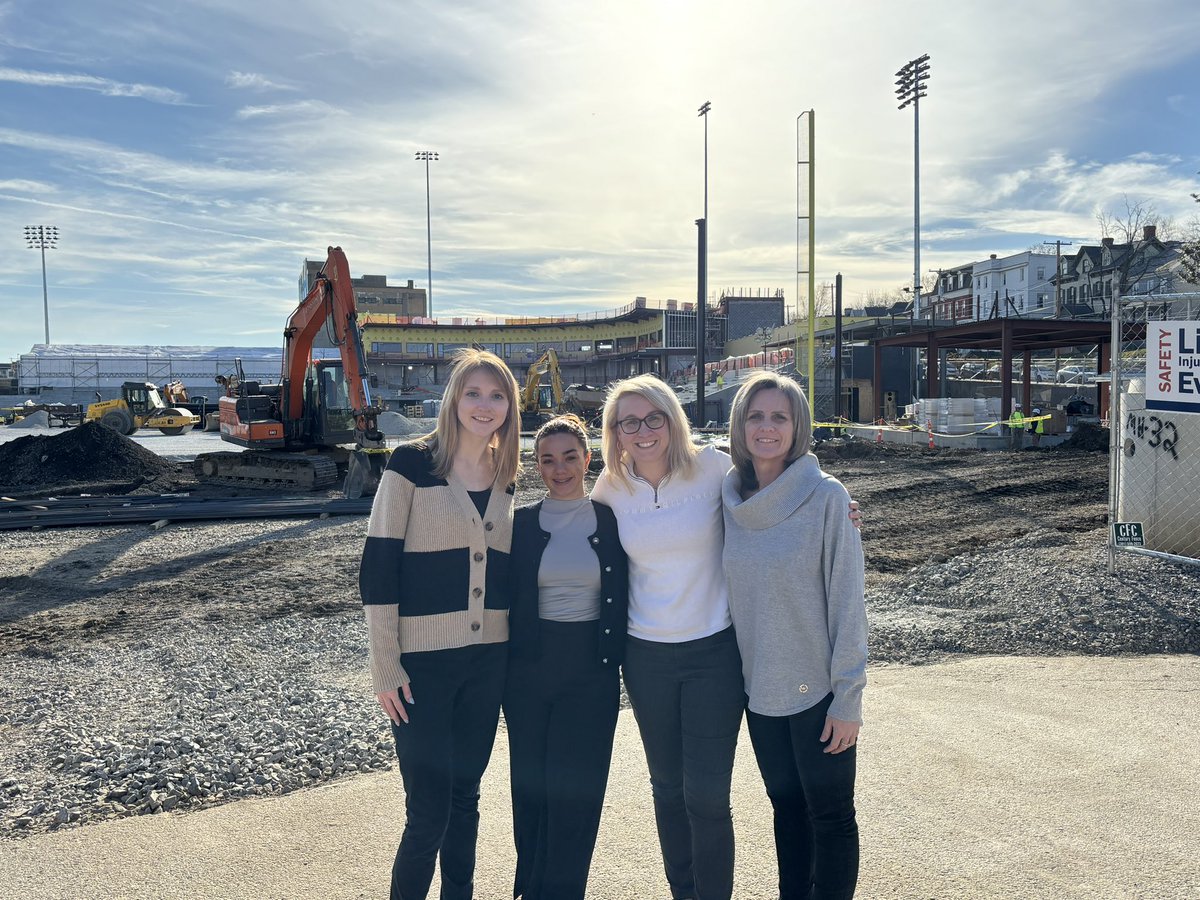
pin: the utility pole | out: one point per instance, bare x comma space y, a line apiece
427, 155
1058, 245
43, 237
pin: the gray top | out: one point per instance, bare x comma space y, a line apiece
569, 576
795, 567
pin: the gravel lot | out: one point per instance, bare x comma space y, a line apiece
148, 671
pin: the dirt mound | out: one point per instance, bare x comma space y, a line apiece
392, 423
39, 419
1087, 437
89, 454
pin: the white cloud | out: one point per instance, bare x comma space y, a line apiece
105, 86
255, 81
300, 108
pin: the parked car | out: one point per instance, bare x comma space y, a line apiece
1074, 374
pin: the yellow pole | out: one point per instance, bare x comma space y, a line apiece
812, 243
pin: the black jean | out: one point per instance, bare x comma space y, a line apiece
443, 751
812, 793
560, 710
688, 701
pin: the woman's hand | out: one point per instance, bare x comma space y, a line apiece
855, 515
390, 701
840, 734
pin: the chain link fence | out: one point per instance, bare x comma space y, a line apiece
1154, 413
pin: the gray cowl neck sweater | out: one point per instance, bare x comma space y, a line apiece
794, 563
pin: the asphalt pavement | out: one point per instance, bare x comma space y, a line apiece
981, 778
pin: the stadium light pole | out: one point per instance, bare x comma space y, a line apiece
43, 237
911, 82
702, 279
427, 155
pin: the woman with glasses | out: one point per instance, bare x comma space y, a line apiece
795, 569
682, 669
566, 640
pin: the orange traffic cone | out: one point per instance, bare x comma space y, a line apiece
879, 435
929, 428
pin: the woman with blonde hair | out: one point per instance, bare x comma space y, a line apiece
435, 588
682, 670
795, 570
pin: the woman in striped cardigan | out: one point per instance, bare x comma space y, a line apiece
434, 583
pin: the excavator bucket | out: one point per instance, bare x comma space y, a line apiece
363, 472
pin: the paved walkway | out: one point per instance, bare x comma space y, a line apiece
984, 778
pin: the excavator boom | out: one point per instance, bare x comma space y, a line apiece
323, 405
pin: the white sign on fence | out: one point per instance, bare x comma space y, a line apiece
1173, 366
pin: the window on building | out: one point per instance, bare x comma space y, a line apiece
420, 349
579, 346
1083, 292
1041, 273
387, 347
549, 345
445, 350
521, 350
498, 349
1041, 300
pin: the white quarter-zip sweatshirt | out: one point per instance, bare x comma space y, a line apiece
673, 536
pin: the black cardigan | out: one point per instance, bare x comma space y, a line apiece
528, 543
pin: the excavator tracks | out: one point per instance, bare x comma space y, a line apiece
299, 471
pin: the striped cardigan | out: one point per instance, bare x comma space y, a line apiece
434, 574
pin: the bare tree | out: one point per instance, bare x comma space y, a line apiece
1190, 252
1127, 225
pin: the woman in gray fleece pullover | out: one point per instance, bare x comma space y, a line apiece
794, 565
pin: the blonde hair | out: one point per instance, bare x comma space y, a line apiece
801, 422
506, 442
681, 452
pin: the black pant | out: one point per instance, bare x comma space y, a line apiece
443, 751
812, 792
561, 714
688, 701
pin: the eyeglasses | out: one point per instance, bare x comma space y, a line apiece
632, 424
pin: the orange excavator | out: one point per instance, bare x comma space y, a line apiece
320, 418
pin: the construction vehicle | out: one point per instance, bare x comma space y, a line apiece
541, 400
319, 418
140, 406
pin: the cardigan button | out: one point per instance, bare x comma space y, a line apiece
608, 599
608, 631
475, 626
478, 557
804, 688
488, 526
478, 592
595, 540
608, 568
605, 660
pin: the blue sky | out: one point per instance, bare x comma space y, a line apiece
193, 154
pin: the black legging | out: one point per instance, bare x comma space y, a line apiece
560, 710
443, 751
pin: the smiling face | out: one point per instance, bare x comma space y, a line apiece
770, 428
562, 463
647, 447
483, 406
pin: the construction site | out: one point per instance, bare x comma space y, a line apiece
180, 623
